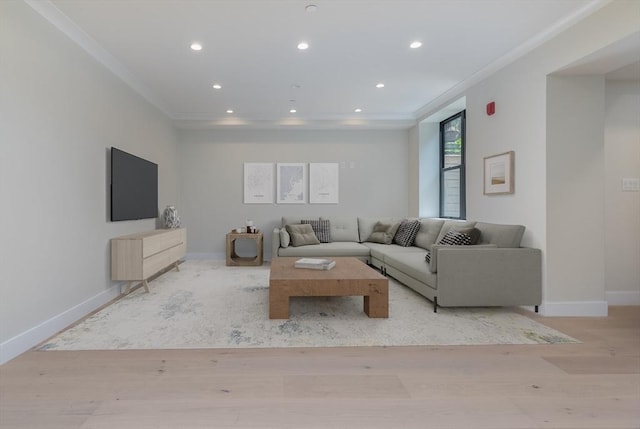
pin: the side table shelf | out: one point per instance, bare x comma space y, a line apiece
232, 257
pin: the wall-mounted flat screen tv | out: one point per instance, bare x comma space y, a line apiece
134, 187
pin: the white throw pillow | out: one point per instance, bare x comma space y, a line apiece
285, 238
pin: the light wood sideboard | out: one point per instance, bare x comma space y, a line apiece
136, 257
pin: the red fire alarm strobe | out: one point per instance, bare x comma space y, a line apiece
491, 108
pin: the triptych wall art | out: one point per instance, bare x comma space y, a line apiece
296, 183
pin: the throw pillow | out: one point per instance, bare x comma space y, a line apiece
407, 232
383, 233
285, 238
321, 229
457, 237
474, 233
301, 235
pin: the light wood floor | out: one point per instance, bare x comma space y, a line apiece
595, 384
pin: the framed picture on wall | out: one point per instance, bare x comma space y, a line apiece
498, 174
258, 183
291, 185
323, 183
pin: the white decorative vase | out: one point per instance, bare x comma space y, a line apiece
171, 218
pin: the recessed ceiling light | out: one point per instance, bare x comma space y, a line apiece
229, 111
380, 85
415, 45
358, 110
292, 111
195, 46
217, 86
311, 8
303, 46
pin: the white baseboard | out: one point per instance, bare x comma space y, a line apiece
34, 336
218, 256
214, 256
575, 309
630, 297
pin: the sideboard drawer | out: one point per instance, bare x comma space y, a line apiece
155, 243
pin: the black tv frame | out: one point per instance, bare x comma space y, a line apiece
133, 187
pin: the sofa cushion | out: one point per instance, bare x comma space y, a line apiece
320, 229
285, 238
407, 232
343, 228
428, 232
290, 220
412, 264
302, 235
383, 233
378, 251
328, 250
366, 224
500, 235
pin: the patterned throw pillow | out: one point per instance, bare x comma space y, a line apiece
457, 238
321, 228
407, 232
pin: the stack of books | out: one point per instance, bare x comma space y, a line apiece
315, 264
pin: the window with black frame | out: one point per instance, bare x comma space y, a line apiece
452, 171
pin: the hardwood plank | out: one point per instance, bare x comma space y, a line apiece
593, 384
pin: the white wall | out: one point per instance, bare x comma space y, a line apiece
373, 178
575, 195
622, 209
60, 111
429, 175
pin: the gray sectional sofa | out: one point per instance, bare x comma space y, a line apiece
496, 271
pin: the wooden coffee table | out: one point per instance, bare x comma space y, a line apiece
350, 277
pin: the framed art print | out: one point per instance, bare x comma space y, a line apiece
292, 183
323, 183
498, 174
258, 183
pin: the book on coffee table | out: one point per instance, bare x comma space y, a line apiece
315, 263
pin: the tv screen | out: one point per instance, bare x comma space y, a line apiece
134, 187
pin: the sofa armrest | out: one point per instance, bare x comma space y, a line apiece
275, 242
489, 276
433, 264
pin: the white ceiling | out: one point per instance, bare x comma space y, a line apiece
249, 47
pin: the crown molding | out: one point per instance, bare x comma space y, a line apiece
59, 20
295, 124
458, 90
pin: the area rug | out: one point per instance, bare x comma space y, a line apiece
209, 305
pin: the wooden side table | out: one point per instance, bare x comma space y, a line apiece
232, 257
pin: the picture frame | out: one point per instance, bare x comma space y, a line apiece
499, 173
258, 183
291, 185
324, 183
